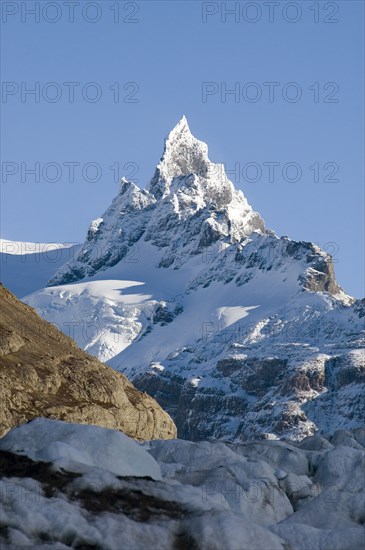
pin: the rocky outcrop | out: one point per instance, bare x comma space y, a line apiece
267, 397
10, 341
44, 373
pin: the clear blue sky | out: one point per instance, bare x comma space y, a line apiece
167, 53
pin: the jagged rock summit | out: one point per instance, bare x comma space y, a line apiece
44, 373
183, 155
237, 332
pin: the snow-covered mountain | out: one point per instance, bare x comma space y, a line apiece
190, 204
235, 331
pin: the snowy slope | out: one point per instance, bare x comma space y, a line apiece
75, 486
235, 331
26, 267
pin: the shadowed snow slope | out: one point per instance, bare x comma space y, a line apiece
26, 267
73, 486
235, 331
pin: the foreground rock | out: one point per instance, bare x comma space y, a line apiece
44, 373
74, 486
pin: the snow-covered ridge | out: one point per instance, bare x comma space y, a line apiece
23, 247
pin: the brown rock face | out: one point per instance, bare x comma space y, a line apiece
322, 277
44, 373
10, 341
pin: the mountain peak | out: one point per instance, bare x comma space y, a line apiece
183, 155
181, 126
190, 204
